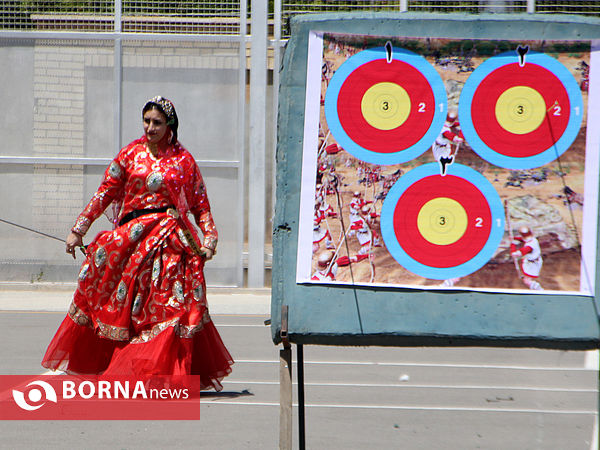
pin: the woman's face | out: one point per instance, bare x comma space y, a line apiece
155, 125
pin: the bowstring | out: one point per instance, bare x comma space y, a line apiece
337, 193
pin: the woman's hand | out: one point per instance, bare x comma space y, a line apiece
74, 240
208, 253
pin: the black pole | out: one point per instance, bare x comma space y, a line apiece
32, 230
300, 369
82, 247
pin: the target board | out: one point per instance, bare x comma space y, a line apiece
435, 146
521, 110
442, 227
385, 105
429, 163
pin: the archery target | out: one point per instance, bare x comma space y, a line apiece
442, 227
520, 116
385, 112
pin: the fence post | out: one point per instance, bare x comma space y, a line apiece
256, 165
118, 75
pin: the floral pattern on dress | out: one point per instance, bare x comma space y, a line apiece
149, 182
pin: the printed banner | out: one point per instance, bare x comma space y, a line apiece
67, 397
450, 164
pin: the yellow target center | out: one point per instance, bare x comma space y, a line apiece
520, 109
442, 221
385, 106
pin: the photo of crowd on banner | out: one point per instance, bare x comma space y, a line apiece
541, 240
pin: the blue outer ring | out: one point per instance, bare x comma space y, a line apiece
442, 273
401, 156
528, 162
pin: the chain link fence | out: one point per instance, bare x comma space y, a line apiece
222, 17
181, 17
581, 7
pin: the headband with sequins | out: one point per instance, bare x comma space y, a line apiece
167, 107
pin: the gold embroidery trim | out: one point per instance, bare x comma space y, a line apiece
112, 332
182, 331
79, 317
122, 334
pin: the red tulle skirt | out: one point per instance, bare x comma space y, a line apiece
140, 309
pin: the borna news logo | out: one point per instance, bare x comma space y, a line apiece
65, 397
35, 395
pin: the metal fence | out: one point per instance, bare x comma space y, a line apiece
75, 73
581, 7
209, 17
166, 17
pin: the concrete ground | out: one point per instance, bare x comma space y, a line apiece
356, 398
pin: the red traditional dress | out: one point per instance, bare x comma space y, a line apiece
140, 305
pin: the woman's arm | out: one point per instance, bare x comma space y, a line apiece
110, 189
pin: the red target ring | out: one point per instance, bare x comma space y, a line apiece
455, 188
533, 76
422, 106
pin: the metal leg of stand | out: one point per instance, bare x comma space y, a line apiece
300, 370
285, 385
285, 398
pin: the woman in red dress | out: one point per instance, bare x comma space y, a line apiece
140, 305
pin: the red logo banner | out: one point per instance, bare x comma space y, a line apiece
70, 397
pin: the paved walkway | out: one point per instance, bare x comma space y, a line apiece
356, 398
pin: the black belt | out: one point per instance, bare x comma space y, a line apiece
141, 212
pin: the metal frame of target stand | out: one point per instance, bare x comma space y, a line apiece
285, 388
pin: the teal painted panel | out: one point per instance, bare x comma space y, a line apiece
336, 315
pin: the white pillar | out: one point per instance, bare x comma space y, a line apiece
256, 164
118, 77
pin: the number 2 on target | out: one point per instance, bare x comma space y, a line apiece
479, 222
